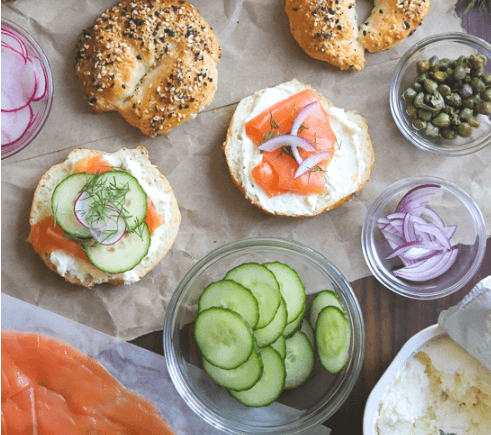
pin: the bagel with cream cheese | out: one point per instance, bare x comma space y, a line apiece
67, 253
152, 61
390, 22
268, 180
327, 31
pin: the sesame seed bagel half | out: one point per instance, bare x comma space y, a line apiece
152, 61
327, 30
77, 270
390, 22
347, 172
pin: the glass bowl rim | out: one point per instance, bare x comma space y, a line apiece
50, 84
395, 83
305, 422
385, 197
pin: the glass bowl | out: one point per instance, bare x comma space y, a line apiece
41, 106
451, 46
295, 410
455, 207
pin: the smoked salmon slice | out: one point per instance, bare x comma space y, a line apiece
275, 173
50, 388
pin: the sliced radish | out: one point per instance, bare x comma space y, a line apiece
113, 229
19, 81
13, 41
41, 78
15, 124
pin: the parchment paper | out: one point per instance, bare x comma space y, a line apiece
257, 51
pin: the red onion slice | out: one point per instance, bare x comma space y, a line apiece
428, 269
15, 124
290, 140
417, 198
435, 231
310, 162
302, 115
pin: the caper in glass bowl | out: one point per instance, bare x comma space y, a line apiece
440, 94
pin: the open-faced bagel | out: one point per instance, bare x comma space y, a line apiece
390, 22
152, 61
77, 270
327, 31
348, 171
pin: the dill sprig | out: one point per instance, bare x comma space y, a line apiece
272, 121
323, 171
484, 6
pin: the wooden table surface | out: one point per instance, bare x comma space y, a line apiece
390, 319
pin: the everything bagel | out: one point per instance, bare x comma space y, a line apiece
154, 62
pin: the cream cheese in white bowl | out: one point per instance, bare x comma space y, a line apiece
433, 386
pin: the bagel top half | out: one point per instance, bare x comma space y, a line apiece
154, 62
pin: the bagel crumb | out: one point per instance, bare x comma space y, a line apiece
146, 48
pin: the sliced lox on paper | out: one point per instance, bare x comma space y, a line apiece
51, 388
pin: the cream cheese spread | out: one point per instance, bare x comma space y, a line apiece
343, 173
442, 390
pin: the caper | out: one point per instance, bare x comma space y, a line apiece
425, 115
454, 100
434, 60
475, 60
464, 129
457, 84
419, 99
466, 91
459, 73
437, 101
448, 74
441, 120
448, 133
419, 124
445, 62
449, 110
478, 71
471, 102
436, 68
422, 66
461, 60
444, 90
427, 98
486, 94
473, 122
483, 58
486, 78
466, 114
455, 119
422, 77
439, 76
409, 94
432, 130
477, 84
484, 107
417, 86
411, 110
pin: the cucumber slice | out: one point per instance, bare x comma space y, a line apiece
134, 208
332, 336
291, 288
223, 337
299, 360
294, 326
263, 286
242, 378
324, 299
269, 386
62, 204
308, 331
231, 295
124, 255
280, 346
270, 333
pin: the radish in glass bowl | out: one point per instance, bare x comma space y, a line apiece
27, 88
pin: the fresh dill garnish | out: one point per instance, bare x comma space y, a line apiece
323, 171
272, 121
302, 128
267, 136
286, 150
138, 230
338, 144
